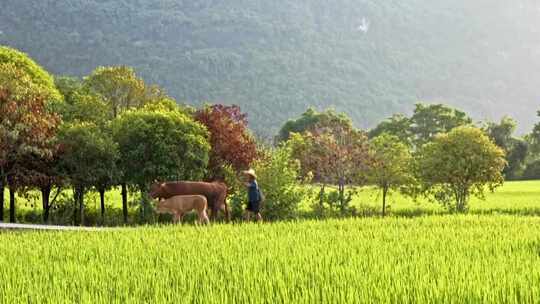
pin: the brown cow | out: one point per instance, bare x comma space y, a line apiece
179, 205
215, 193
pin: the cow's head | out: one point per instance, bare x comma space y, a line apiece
156, 189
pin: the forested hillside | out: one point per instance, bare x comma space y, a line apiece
275, 58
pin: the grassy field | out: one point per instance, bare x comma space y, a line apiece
490, 256
436, 259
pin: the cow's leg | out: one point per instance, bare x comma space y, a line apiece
222, 202
203, 218
177, 217
215, 211
227, 215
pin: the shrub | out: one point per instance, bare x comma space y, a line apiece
278, 178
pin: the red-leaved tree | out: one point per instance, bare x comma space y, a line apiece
26, 128
231, 142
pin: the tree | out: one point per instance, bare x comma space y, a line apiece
90, 157
430, 120
311, 119
231, 142
333, 155
535, 137
516, 149
27, 127
45, 174
390, 167
81, 105
25, 65
121, 89
458, 165
163, 145
532, 170
398, 125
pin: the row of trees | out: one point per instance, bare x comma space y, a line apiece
439, 155
110, 129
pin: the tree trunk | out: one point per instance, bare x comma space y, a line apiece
78, 208
341, 189
12, 204
321, 197
45, 199
385, 192
124, 203
102, 202
75, 204
1, 199
81, 207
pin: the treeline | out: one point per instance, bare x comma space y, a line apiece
112, 130
107, 130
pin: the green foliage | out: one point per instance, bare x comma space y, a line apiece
459, 165
428, 120
391, 165
161, 145
165, 104
398, 125
120, 88
35, 73
532, 171
535, 137
80, 105
90, 154
516, 149
310, 120
279, 180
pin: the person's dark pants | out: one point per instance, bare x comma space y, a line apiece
253, 207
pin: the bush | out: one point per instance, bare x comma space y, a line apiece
278, 178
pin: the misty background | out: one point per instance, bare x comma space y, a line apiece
367, 58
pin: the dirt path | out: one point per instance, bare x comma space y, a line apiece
5, 226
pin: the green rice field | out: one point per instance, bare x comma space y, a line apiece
489, 256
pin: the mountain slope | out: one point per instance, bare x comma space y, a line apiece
275, 58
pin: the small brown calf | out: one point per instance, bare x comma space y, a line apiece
182, 204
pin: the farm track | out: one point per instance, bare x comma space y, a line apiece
10, 226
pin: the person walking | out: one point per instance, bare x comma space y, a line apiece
254, 196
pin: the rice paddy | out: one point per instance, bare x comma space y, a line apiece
484, 257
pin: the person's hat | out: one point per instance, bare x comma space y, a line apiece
251, 172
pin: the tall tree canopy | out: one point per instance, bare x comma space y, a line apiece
333, 154
28, 66
120, 87
230, 139
27, 127
398, 125
161, 145
516, 149
312, 119
535, 136
430, 120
